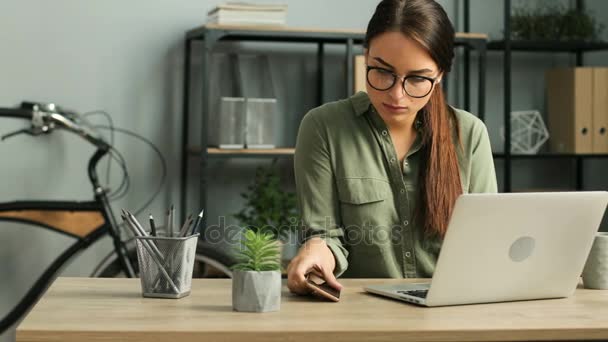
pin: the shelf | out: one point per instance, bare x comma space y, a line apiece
271, 28
549, 46
290, 29
300, 34
242, 153
273, 33
212, 35
551, 155
534, 46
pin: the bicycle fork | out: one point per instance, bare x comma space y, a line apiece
101, 196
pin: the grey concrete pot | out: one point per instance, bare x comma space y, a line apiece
595, 273
256, 291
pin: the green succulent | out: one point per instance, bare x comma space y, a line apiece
259, 251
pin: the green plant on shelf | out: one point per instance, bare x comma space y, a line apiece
268, 207
555, 22
259, 252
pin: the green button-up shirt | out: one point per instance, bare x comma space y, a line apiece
353, 193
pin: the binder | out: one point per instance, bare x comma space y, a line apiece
600, 110
360, 74
569, 110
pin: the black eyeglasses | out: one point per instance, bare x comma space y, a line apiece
414, 85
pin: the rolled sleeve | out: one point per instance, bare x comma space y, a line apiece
316, 190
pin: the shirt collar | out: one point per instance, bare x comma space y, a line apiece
361, 103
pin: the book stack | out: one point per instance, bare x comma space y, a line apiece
240, 13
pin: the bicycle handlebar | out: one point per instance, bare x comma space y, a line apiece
18, 113
44, 117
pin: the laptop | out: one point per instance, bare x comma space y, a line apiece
509, 247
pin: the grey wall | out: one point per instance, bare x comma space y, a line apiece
126, 58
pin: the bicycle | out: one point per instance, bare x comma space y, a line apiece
84, 221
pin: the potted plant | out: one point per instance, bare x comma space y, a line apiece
554, 22
256, 278
271, 209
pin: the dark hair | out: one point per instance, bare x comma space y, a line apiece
426, 22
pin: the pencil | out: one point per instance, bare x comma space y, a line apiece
199, 218
168, 226
134, 223
172, 220
153, 252
184, 230
152, 226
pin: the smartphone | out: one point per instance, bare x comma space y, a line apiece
321, 289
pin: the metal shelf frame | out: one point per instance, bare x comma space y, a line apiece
508, 46
211, 35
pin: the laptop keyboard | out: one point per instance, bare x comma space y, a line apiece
415, 293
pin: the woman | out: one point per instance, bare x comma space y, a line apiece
377, 175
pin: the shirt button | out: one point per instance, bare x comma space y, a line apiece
406, 222
392, 160
408, 254
402, 191
384, 132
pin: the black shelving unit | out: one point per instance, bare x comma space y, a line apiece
508, 46
545, 46
211, 35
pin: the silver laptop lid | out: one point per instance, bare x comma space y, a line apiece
516, 246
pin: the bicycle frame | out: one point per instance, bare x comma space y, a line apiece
86, 222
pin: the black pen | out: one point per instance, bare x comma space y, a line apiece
152, 226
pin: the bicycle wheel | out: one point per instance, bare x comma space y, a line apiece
210, 263
110, 267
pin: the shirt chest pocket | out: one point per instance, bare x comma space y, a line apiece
365, 201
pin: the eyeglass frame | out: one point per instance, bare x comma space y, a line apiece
395, 77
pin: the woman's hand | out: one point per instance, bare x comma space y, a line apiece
313, 254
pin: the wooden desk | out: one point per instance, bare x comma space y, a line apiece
85, 309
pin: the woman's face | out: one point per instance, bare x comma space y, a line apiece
395, 53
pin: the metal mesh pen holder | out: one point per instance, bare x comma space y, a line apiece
166, 265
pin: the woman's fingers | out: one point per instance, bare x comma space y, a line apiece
296, 276
329, 277
314, 257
